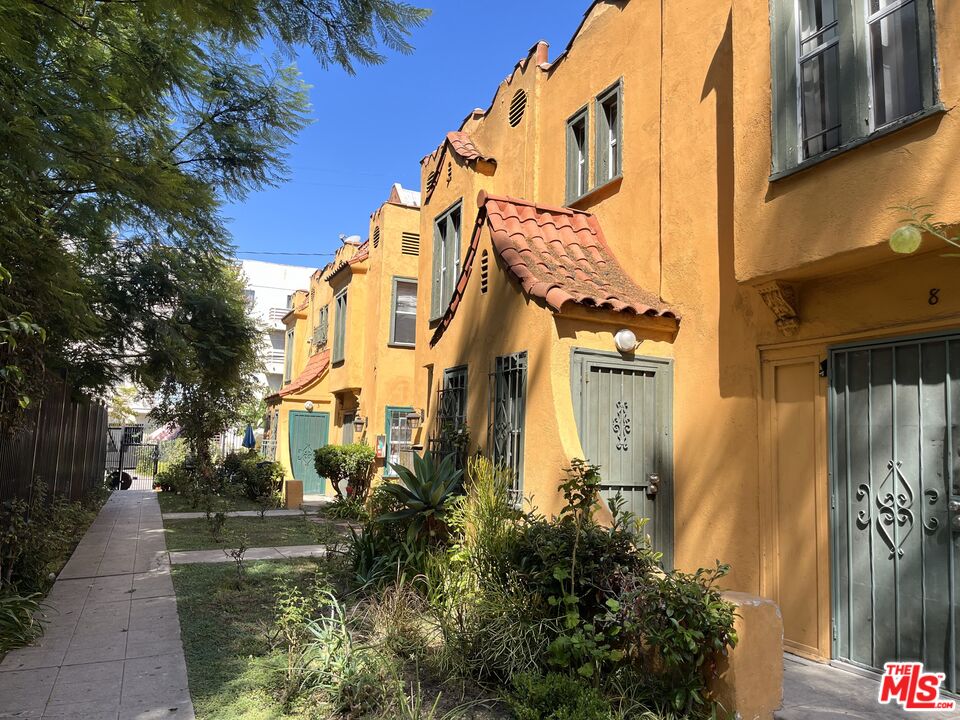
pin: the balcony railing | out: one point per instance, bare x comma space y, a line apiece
276, 315
275, 356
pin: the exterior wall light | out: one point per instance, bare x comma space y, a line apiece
308, 406
359, 423
625, 340
415, 419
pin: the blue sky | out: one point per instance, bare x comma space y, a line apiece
371, 130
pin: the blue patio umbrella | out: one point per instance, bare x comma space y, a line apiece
249, 441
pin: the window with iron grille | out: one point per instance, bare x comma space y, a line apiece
509, 399
399, 440
451, 414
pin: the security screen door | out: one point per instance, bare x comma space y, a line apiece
625, 407
894, 488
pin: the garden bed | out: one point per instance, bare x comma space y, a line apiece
236, 659
200, 533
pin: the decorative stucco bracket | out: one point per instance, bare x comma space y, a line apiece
781, 298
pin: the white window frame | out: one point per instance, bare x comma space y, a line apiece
395, 311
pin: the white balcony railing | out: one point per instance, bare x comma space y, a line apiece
275, 315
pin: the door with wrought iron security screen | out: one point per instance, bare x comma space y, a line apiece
895, 486
509, 399
624, 424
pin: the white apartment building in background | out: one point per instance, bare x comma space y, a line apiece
269, 287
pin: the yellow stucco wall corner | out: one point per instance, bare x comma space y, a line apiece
750, 680
293, 494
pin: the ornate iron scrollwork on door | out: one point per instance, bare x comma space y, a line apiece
621, 424
894, 508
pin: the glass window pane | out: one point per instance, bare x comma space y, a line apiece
405, 329
818, 24
820, 103
895, 59
407, 297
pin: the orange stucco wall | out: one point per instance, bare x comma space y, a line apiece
696, 219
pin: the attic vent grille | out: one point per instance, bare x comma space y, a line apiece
410, 244
517, 106
376, 237
449, 172
432, 179
484, 272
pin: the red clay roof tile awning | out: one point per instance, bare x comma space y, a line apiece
316, 366
559, 255
464, 146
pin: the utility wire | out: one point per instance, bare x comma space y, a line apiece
254, 252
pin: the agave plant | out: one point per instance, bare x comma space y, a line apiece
423, 493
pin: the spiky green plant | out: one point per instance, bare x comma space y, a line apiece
423, 493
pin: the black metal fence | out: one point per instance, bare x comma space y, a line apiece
62, 442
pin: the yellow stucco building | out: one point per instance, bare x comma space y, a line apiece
664, 250
349, 349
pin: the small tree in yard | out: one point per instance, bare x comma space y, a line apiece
207, 377
350, 464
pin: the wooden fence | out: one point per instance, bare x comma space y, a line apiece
62, 442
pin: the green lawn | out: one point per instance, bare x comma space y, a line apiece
173, 503
266, 532
233, 671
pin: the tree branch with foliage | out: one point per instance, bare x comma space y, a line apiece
124, 127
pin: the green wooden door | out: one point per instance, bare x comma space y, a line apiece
308, 431
624, 421
895, 476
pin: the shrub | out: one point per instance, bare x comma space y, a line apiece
677, 626
20, 622
244, 473
346, 509
423, 495
174, 479
346, 464
36, 537
555, 697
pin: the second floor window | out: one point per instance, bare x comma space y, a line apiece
322, 329
403, 318
843, 71
340, 327
609, 134
446, 259
288, 357
578, 156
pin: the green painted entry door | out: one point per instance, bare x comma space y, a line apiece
625, 428
895, 455
308, 431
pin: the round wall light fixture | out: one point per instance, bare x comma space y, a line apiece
625, 340
308, 406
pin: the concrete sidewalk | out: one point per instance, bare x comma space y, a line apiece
312, 512
112, 647
185, 557
815, 691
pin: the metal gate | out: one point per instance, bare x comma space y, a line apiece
130, 461
895, 502
624, 408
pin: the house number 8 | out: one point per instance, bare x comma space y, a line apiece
934, 296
